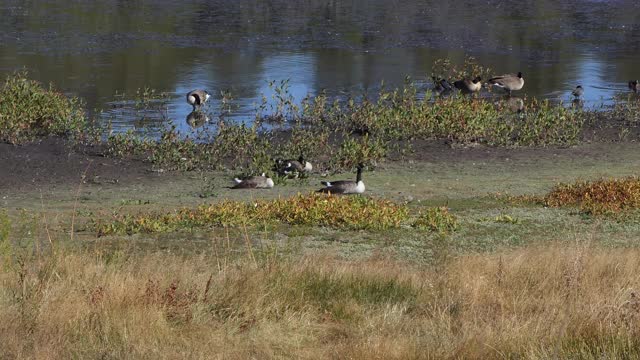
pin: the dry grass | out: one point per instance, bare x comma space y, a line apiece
553, 302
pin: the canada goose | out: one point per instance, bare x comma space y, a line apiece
633, 85
197, 98
195, 119
509, 82
467, 86
254, 182
345, 186
441, 87
578, 91
296, 167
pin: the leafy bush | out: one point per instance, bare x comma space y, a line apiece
28, 111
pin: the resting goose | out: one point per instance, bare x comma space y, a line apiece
254, 182
296, 167
467, 86
197, 98
633, 85
345, 186
509, 82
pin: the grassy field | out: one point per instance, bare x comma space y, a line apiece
464, 246
515, 280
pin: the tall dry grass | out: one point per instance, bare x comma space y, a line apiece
541, 303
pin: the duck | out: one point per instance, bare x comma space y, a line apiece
509, 82
467, 86
633, 85
578, 91
254, 182
295, 167
345, 186
197, 98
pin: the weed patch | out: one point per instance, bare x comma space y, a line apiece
29, 110
600, 197
437, 219
342, 212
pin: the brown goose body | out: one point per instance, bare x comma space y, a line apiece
345, 186
197, 98
254, 182
509, 82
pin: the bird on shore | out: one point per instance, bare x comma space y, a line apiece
467, 86
254, 182
633, 85
578, 91
197, 98
293, 167
345, 186
509, 82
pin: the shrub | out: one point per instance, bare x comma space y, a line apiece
28, 111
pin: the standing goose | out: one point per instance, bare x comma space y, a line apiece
467, 86
578, 91
197, 98
509, 82
633, 85
254, 182
345, 186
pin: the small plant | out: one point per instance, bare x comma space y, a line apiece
507, 219
437, 219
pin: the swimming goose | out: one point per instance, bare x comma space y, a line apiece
578, 91
467, 86
509, 82
633, 85
441, 87
254, 182
197, 98
345, 186
296, 167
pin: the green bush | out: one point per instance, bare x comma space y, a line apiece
28, 111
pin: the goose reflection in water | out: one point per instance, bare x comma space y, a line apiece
196, 119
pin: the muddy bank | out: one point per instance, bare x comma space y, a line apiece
52, 162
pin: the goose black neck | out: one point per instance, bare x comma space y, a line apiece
359, 174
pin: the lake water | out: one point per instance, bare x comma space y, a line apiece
101, 49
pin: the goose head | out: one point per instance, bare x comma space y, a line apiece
520, 74
477, 79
